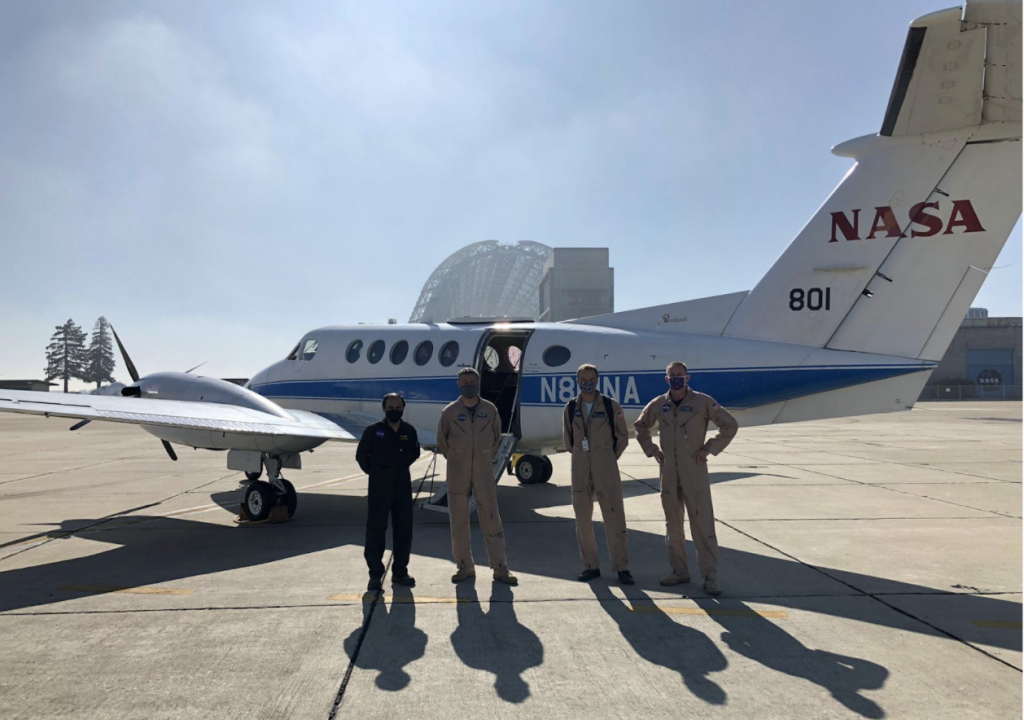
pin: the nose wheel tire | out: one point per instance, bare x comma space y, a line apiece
253, 475
530, 470
259, 499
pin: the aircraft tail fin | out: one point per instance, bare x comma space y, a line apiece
891, 261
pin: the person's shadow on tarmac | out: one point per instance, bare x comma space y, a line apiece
496, 641
396, 641
660, 640
844, 677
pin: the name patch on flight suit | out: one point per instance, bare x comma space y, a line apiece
481, 415
686, 408
462, 417
404, 437
597, 415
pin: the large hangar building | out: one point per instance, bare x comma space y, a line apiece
485, 279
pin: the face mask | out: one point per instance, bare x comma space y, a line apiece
469, 391
677, 383
393, 416
587, 386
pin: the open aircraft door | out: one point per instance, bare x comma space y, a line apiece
499, 359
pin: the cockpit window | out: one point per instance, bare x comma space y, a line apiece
423, 352
294, 354
376, 351
309, 350
354, 348
449, 353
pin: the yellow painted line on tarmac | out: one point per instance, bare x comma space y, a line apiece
400, 599
726, 612
1005, 624
126, 590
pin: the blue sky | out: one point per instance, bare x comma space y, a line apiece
217, 179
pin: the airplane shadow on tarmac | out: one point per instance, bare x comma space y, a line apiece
149, 550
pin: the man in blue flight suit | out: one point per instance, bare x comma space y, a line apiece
385, 452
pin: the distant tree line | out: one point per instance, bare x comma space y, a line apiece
68, 356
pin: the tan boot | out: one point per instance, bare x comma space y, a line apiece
502, 575
676, 578
711, 586
464, 574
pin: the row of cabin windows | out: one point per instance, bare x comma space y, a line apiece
447, 355
554, 356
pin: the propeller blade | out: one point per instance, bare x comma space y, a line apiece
197, 366
124, 355
170, 450
79, 425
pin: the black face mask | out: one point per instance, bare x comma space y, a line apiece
393, 416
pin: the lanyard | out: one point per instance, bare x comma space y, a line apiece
587, 418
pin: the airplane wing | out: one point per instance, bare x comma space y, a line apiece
172, 413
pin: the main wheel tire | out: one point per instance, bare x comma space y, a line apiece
530, 470
547, 469
291, 498
259, 498
253, 475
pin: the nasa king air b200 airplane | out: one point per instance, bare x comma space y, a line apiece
851, 319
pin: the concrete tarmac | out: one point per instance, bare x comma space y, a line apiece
871, 568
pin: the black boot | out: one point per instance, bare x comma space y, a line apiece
589, 574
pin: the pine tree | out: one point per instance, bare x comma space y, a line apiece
65, 355
100, 355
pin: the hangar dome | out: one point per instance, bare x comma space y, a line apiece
485, 279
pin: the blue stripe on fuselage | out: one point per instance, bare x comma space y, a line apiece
740, 387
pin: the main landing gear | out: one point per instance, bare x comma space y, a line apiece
261, 498
533, 469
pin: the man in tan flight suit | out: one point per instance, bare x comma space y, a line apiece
468, 435
682, 415
594, 431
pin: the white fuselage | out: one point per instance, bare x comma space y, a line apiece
763, 382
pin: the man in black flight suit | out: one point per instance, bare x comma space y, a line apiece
385, 452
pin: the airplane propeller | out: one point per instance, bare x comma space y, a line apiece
135, 378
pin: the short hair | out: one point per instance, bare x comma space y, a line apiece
468, 371
676, 363
384, 402
587, 366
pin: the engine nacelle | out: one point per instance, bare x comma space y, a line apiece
194, 388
